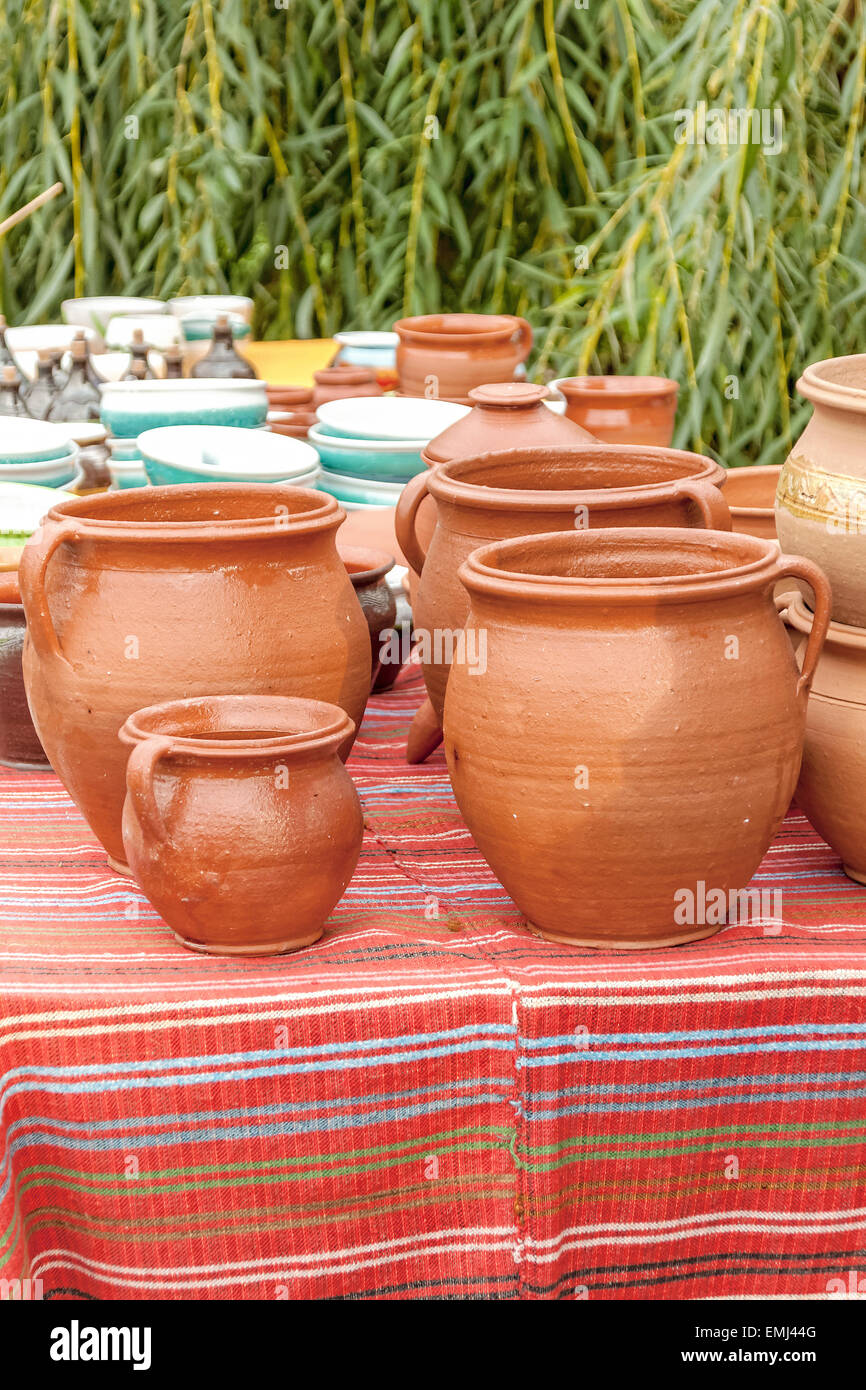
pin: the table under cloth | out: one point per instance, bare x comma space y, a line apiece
431, 1101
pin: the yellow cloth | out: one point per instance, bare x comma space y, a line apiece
290, 362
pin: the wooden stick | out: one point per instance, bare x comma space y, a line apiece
34, 203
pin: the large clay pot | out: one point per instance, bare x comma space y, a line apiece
832, 786
241, 823
821, 498
751, 495
447, 355
622, 409
634, 727
367, 570
19, 744
141, 596
522, 491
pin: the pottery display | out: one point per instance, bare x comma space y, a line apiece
375, 351
751, 494
622, 409
240, 822
821, 497
334, 383
133, 596
447, 355
504, 415
131, 407
523, 491
583, 733
19, 743
367, 570
223, 453
831, 791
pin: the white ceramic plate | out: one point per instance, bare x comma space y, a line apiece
398, 418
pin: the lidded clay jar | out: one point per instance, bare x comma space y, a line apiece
505, 415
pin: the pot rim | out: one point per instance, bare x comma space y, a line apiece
818, 388
408, 328
185, 387
611, 390
762, 470
326, 515
799, 615
445, 487
335, 727
481, 573
377, 563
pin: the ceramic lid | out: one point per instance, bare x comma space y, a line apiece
505, 415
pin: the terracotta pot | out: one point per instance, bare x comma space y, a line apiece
751, 494
505, 415
293, 424
622, 409
335, 383
821, 498
522, 491
447, 355
832, 786
241, 824
290, 397
19, 743
132, 597
586, 749
367, 570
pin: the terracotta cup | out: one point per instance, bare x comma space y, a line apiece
832, 786
447, 355
520, 491
241, 823
751, 495
367, 570
622, 409
335, 383
582, 728
134, 596
19, 743
821, 497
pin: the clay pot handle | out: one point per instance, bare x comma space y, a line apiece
709, 501
405, 516
524, 336
139, 783
32, 567
800, 568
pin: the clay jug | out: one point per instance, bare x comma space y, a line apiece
582, 726
447, 355
521, 491
821, 497
832, 786
241, 823
19, 745
622, 409
145, 595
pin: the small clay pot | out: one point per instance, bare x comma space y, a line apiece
582, 728
241, 823
292, 424
622, 409
19, 743
751, 495
821, 497
336, 383
505, 415
448, 355
832, 786
367, 570
290, 397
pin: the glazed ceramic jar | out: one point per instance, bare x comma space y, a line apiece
832, 786
448, 355
367, 570
751, 495
622, 409
821, 498
582, 727
521, 491
135, 597
241, 823
19, 744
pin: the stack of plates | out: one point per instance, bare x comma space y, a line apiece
221, 454
370, 446
34, 451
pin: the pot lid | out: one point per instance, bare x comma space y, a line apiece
505, 415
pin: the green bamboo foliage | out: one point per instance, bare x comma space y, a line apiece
349, 161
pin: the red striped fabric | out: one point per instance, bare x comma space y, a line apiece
430, 1102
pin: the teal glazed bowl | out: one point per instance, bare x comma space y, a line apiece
221, 454
359, 491
131, 407
377, 460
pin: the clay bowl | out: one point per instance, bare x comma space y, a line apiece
19, 743
292, 424
290, 397
241, 823
622, 409
832, 786
367, 569
751, 497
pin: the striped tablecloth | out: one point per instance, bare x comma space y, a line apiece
429, 1102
